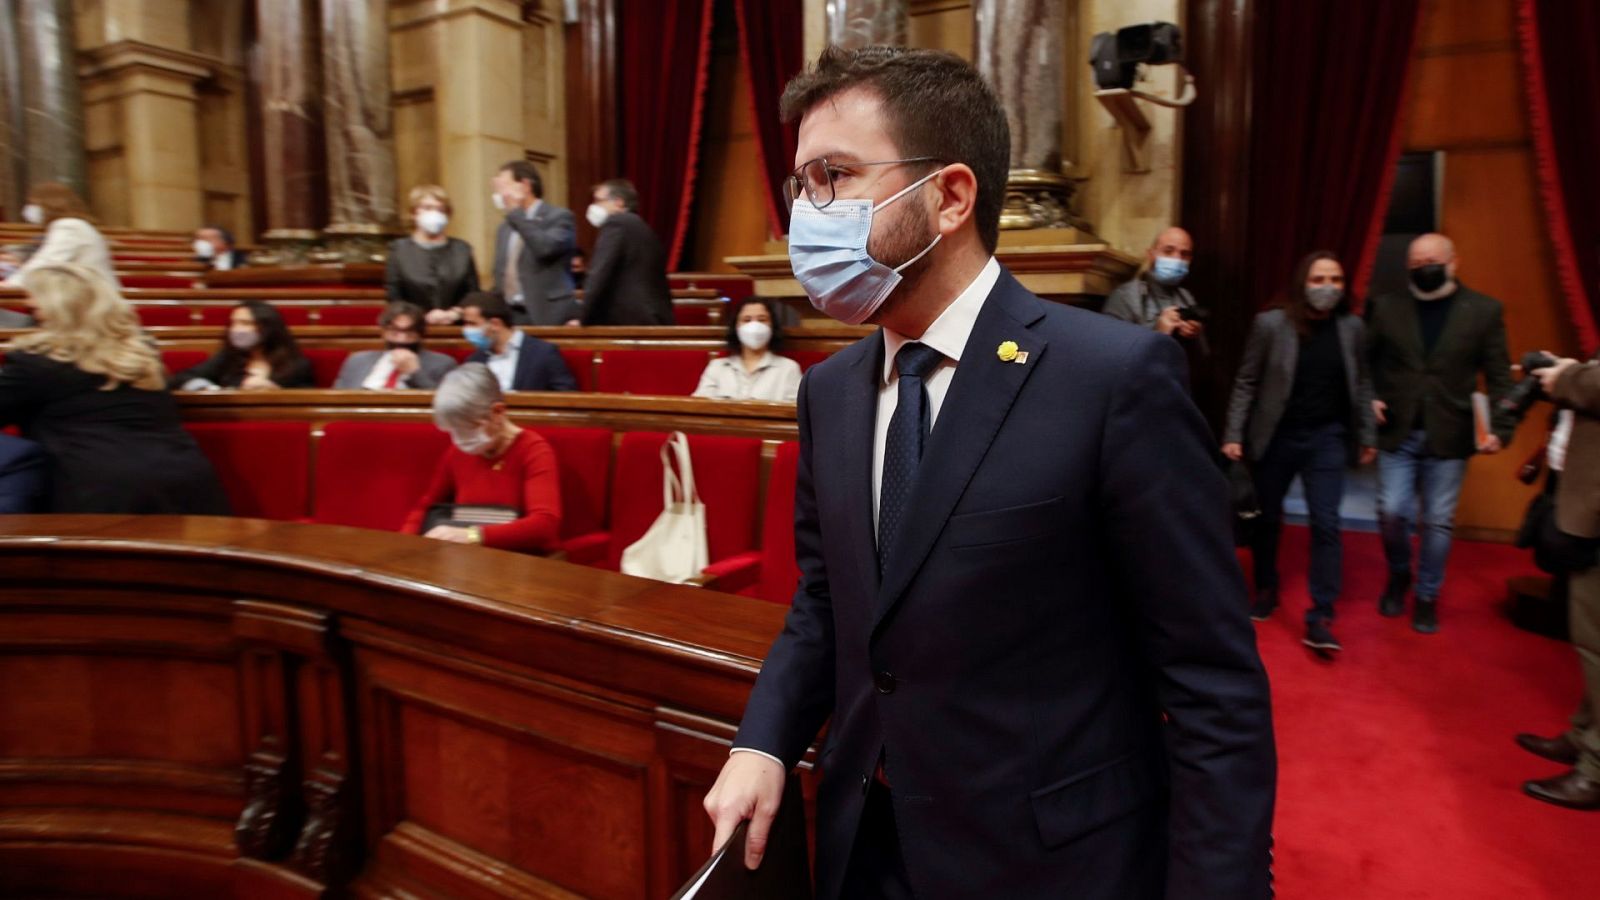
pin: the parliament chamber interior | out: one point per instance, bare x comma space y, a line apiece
442, 485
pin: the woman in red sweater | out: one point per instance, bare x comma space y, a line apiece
493, 463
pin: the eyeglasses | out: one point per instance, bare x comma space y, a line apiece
816, 177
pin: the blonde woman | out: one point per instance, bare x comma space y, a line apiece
69, 236
428, 268
90, 389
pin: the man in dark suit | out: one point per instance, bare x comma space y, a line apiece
521, 362
213, 245
1019, 602
404, 364
1427, 349
533, 250
627, 280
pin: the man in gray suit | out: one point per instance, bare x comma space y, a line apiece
403, 364
533, 250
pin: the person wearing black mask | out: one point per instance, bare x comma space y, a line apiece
1427, 348
402, 363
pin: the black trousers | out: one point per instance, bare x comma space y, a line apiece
876, 869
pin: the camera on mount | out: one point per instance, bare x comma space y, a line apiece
1116, 57
1528, 391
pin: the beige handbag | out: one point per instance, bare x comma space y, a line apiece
674, 547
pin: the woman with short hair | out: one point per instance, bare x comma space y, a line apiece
69, 236
752, 370
88, 388
428, 268
258, 354
491, 462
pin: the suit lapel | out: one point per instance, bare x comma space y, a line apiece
1411, 328
1288, 351
979, 398
859, 409
1349, 346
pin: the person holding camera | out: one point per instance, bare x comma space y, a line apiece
1302, 405
1575, 388
1155, 298
1426, 349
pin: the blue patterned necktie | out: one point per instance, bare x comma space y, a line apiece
902, 451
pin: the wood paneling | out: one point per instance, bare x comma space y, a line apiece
1439, 113
1449, 25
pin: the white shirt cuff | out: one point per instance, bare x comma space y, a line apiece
758, 753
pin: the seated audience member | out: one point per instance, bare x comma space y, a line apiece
518, 361
1155, 298
213, 245
404, 363
22, 475
69, 235
88, 388
429, 268
258, 354
751, 370
491, 463
627, 282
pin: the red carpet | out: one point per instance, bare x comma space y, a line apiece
1398, 776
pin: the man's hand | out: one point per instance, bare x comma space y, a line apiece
573, 322
1491, 445
1233, 450
1380, 409
405, 361
1368, 455
257, 383
1189, 330
750, 787
442, 316
1169, 320
1549, 377
449, 533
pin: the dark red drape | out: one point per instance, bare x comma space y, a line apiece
771, 34
1328, 81
663, 52
1561, 67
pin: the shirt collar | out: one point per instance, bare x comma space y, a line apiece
512, 346
948, 334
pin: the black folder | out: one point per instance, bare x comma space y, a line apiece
785, 870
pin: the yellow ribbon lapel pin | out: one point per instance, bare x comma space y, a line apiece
1008, 352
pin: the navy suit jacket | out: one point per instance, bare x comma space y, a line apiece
22, 475
539, 367
1057, 666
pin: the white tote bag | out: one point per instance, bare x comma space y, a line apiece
674, 549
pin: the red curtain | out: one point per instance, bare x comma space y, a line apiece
1328, 80
771, 33
663, 53
1561, 67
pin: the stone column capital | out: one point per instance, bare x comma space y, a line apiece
123, 56
405, 14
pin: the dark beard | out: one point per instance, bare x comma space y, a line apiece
908, 234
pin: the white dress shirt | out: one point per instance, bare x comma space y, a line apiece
504, 363
948, 334
775, 378
378, 378
1556, 451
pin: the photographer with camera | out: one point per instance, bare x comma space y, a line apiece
1155, 298
1574, 547
1426, 349
1302, 405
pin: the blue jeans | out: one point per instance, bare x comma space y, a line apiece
1410, 478
1318, 455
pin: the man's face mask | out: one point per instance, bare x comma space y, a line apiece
828, 252
1169, 270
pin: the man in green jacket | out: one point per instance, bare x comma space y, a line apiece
1427, 349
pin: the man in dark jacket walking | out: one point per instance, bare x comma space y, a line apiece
627, 280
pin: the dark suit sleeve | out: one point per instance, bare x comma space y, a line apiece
1496, 365
21, 390
1165, 507
558, 376
1244, 383
600, 284
550, 237
794, 694
470, 283
22, 475
297, 374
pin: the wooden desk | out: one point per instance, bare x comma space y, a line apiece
658, 337
204, 707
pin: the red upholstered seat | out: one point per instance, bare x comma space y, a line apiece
670, 372
164, 315
264, 466
584, 455
215, 314
806, 358
294, 315
178, 360
778, 572
349, 314
325, 363
370, 474
581, 364
695, 313
727, 474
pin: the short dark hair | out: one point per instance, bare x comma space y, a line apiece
937, 105
227, 236
489, 305
522, 170
736, 307
622, 189
419, 319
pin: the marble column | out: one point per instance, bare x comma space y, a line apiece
288, 74
52, 131
858, 23
13, 172
358, 124
1019, 50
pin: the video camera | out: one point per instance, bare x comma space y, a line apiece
1528, 391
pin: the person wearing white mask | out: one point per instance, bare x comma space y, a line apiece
428, 268
752, 370
626, 282
213, 245
1302, 406
491, 463
533, 249
69, 236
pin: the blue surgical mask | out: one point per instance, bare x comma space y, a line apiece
477, 337
1169, 270
828, 252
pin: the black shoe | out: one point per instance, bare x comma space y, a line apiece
1572, 790
1266, 602
1557, 749
1425, 618
1318, 637
1393, 601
